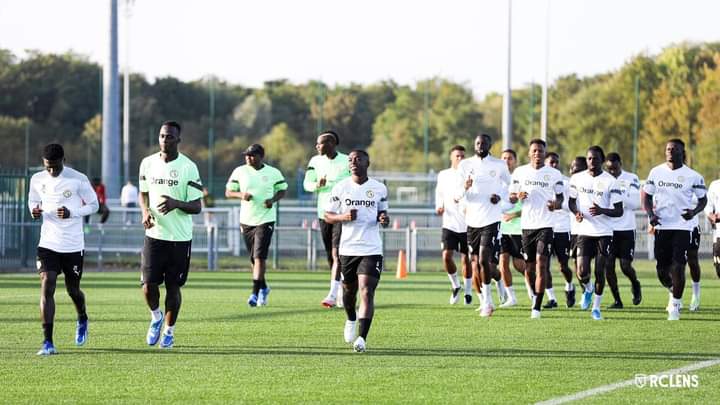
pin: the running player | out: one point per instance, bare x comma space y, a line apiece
258, 186
511, 240
170, 191
541, 189
486, 179
561, 242
454, 230
669, 191
578, 165
325, 170
61, 196
594, 199
359, 203
712, 211
623, 244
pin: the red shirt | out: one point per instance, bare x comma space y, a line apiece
100, 191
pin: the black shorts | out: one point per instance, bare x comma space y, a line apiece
487, 236
695, 241
257, 239
330, 234
537, 242
165, 261
671, 246
623, 244
716, 252
456, 241
512, 245
591, 246
561, 246
351, 266
573, 246
70, 264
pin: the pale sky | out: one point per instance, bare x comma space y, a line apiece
337, 41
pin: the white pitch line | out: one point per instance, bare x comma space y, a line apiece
622, 384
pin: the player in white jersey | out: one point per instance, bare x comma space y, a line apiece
669, 191
360, 204
712, 211
511, 241
540, 187
454, 230
61, 196
623, 244
486, 180
594, 199
561, 242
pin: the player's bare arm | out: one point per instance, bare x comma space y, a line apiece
169, 204
147, 218
270, 201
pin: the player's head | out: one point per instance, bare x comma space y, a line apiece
359, 161
510, 158
53, 159
169, 137
536, 152
326, 142
457, 153
675, 151
483, 143
595, 158
552, 159
254, 155
578, 164
613, 164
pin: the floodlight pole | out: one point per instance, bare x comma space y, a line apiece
126, 93
507, 99
544, 115
426, 126
110, 123
211, 136
636, 123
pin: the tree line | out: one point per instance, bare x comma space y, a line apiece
404, 127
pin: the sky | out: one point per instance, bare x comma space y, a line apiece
339, 42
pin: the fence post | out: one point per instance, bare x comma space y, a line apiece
308, 240
408, 247
413, 251
100, 247
211, 246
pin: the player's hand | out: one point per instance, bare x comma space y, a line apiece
508, 217
36, 212
654, 220
246, 196
713, 218
167, 205
688, 214
651, 230
523, 195
322, 182
513, 198
350, 215
269, 203
551, 205
579, 216
595, 210
148, 220
62, 213
440, 210
494, 198
384, 219
468, 182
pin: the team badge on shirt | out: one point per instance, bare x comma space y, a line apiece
681, 179
546, 177
67, 193
42, 189
265, 179
492, 173
369, 194
173, 174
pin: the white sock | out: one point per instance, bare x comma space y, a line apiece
334, 288
696, 289
677, 301
569, 286
169, 330
596, 301
551, 294
487, 295
529, 288
454, 280
588, 287
468, 286
501, 288
511, 294
156, 314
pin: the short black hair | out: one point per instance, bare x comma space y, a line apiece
457, 147
613, 157
53, 151
173, 124
580, 162
334, 135
597, 149
360, 152
538, 141
484, 135
510, 151
552, 154
677, 141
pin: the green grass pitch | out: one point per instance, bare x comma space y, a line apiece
420, 349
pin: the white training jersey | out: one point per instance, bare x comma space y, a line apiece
541, 186
587, 191
72, 190
629, 185
672, 193
490, 176
562, 222
713, 204
449, 184
360, 237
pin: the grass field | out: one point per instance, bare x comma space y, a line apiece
420, 349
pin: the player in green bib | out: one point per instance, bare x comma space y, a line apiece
258, 186
511, 240
325, 170
170, 191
